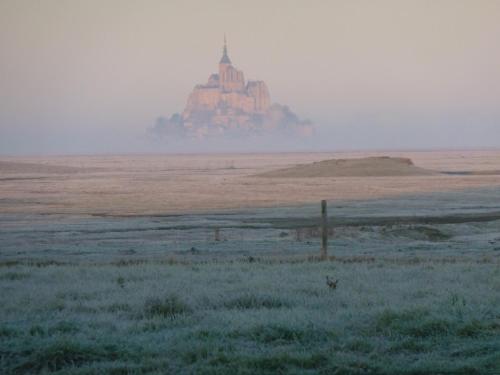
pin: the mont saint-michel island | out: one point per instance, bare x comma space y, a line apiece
226, 105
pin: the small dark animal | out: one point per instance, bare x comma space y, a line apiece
331, 283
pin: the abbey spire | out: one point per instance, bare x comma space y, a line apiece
225, 58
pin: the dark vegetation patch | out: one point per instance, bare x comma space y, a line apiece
280, 334
415, 323
118, 307
60, 328
64, 355
10, 263
72, 295
415, 232
200, 353
7, 332
167, 307
420, 324
422, 233
359, 346
221, 361
64, 327
154, 325
473, 173
256, 301
82, 308
141, 262
411, 345
33, 263
360, 221
37, 330
121, 282
477, 328
475, 350
281, 362
12, 276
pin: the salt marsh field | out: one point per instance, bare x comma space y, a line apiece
228, 286
432, 225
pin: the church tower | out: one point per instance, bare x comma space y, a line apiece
225, 58
230, 79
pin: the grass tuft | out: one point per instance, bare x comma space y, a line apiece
359, 346
121, 282
64, 328
13, 276
60, 355
168, 307
280, 334
253, 301
37, 330
7, 332
118, 307
473, 329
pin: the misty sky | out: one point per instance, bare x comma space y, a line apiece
91, 76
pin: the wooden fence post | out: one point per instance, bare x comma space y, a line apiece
298, 234
324, 230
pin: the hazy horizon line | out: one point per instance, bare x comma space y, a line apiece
177, 153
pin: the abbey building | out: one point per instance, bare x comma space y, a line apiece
226, 105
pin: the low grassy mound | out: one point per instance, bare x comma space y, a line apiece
364, 167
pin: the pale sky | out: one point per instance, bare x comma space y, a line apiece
88, 76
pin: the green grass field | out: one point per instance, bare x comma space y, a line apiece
391, 316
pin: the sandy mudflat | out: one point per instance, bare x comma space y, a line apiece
165, 184
13, 167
